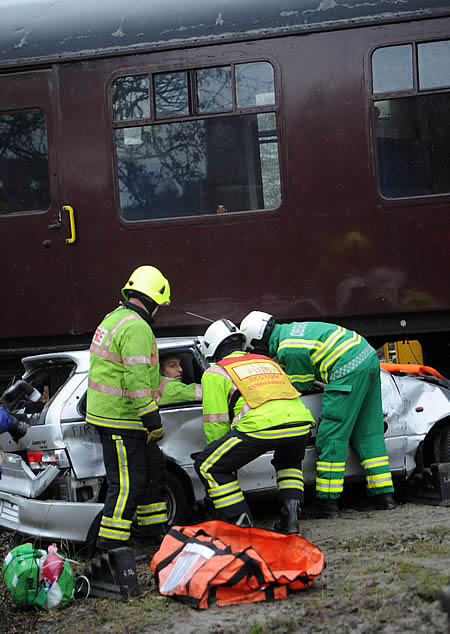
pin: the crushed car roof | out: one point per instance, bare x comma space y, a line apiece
80, 358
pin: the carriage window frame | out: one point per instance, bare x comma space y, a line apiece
378, 101
267, 103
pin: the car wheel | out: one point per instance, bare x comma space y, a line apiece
441, 444
176, 498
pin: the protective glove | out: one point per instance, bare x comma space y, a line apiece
152, 423
5, 420
155, 435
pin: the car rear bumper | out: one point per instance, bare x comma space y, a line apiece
50, 519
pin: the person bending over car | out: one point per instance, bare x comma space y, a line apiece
351, 405
171, 388
249, 407
124, 373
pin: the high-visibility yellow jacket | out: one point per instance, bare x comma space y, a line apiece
218, 387
124, 372
174, 391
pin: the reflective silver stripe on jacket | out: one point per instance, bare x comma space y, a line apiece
353, 364
118, 391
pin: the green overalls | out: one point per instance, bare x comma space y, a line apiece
351, 406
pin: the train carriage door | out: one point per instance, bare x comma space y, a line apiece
33, 226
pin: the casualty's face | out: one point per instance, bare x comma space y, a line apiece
171, 367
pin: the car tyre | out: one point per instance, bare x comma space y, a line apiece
441, 444
176, 498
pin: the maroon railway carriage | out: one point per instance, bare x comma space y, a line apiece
289, 156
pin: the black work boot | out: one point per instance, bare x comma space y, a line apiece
382, 502
323, 509
104, 545
288, 523
151, 535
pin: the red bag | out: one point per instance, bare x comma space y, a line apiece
217, 562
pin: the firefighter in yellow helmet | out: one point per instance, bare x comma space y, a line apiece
123, 379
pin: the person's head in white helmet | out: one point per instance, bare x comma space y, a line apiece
257, 327
222, 338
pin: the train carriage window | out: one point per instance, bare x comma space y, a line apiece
434, 65
392, 69
171, 95
215, 158
130, 98
214, 89
254, 85
413, 132
24, 173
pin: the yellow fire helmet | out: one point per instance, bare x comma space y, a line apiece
151, 282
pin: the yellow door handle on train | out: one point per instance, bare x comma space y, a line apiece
73, 233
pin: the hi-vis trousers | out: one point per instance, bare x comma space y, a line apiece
135, 476
218, 463
352, 414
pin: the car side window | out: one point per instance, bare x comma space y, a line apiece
193, 368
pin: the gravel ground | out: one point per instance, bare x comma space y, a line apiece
384, 573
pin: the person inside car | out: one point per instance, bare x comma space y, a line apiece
171, 388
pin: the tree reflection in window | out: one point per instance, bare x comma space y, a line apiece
214, 89
24, 175
171, 95
130, 98
192, 167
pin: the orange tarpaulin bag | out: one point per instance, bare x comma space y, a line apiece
424, 370
219, 563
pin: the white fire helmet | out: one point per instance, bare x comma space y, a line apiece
216, 334
253, 327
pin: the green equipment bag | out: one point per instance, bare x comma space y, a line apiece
21, 575
32, 580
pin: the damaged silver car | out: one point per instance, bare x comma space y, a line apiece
53, 481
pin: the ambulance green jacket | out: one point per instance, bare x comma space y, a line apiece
217, 385
124, 372
330, 352
174, 391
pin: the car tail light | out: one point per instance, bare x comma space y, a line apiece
40, 459
34, 456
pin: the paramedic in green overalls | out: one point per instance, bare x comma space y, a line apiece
249, 407
351, 406
171, 388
